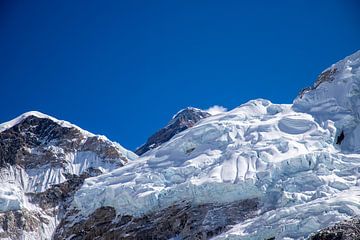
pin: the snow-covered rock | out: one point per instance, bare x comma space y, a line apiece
37, 152
336, 97
181, 121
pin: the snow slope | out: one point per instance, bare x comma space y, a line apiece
284, 155
259, 150
337, 98
300, 220
222, 156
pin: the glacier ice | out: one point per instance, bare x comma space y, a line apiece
284, 154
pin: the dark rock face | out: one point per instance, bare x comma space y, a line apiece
347, 230
41, 145
340, 138
183, 120
54, 202
38, 133
14, 223
61, 194
182, 220
34, 132
325, 76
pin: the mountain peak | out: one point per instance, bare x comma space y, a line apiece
37, 132
39, 115
43, 161
187, 111
335, 96
345, 69
189, 116
181, 121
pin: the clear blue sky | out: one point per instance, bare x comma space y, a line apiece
123, 68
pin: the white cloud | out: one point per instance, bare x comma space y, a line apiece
216, 109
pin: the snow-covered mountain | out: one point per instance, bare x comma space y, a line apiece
283, 160
43, 161
260, 171
181, 121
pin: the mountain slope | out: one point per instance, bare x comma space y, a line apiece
183, 120
286, 161
259, 171
43, 161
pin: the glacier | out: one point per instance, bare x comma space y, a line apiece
286, 155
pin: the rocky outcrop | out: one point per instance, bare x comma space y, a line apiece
43, 162
40, 135
347, 230
34, 132
183, 220
60, 195
183, 120
326, 76
14, 223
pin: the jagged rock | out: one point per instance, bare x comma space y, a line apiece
13, 223
61, 194
34, 134
346, 230
182, 220
183, 120
327, 75
43, 162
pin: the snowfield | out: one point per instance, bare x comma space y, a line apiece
285, 155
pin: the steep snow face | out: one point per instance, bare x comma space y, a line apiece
336, 96
258, 150
181, 121
298, 221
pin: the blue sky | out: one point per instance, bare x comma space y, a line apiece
123, 68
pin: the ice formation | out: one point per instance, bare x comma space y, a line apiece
286, 155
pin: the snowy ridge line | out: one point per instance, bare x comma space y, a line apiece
9, 124
187, 108
6, 125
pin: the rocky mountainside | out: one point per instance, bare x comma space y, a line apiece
345, 230
183, 120
43, 162
260, 171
